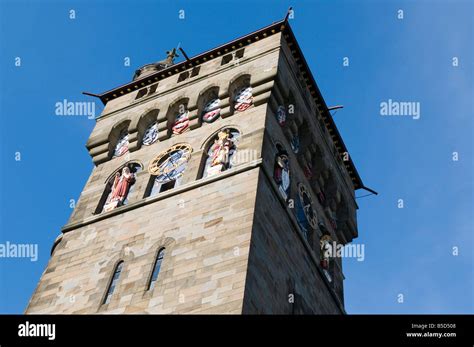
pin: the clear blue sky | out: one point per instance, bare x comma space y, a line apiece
407, 251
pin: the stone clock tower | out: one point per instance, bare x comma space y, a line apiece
219, 184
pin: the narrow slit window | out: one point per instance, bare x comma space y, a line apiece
113, 283
156, 269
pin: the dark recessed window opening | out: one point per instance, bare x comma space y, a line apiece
183, 76
195, 71
113, 283
226, 58
240, 53
141, 93
156, 269
152, 88
167, 186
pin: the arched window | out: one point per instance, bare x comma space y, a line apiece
286, 111
156, 269
121, 147
305, 214
281, 171
178, 117
150, 134
167, 169
241, 94
209, 105
294, 137
220, 152
148, 127
118, 139
113, 283
118, 188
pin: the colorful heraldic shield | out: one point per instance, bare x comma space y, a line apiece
281, 115
243, 99
151, 134
211, 111
181, 123
122, 144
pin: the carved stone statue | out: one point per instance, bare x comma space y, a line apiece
120, 189
159, 65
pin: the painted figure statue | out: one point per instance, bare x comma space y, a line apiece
220, 153
120, 189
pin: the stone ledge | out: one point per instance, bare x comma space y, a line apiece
178, 190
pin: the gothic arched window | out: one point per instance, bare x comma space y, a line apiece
121, 147
305, 213
281, 171
148, 127
167, 169
156, 269
178, 117
118, 188
286, 111
113, 283
151, 134
220, 152
241, 94
209, 105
